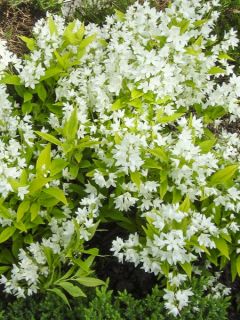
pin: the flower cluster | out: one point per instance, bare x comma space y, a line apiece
125, 119
70, 6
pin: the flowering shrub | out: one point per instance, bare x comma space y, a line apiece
120, 125
69, 7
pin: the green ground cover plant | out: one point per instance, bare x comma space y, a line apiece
120, 122
104, 305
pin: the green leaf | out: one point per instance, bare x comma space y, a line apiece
56, 193
80, 32
86, 264
187, 267
151, 164
238, 265
226, 236
74, 291
28, 239
6, 234
27, 107
27, 96
59, 59
73, 171
120, 15
207, 145
49, 137
11, 79
225, 56
48, 255
37, 184
71, 126
52, 26
78, 156
30, 42
136, 94
171, 118
3, 269
164, 100
215, 70
69, 34
89, 281
51, 72
184, 26
223, 175
44, 159
22, 209
186, 204
35, 208
136, 178
4, 212
176, 195
165, 268
163, 188
222, 246
198, 41
159, 153
20, 226
59, 293
41, 91
57, 166
92, 251
117, 105
192, 51
199, 23
85, 42
87, 144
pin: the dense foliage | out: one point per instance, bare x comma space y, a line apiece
122, 306
120, 122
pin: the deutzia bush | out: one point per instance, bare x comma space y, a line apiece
70, 6
122, 124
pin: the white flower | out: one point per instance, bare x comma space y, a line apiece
22, 191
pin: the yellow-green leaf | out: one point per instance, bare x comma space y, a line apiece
136, 178
74, 291
215, 70
186, 204
57, 166
163, 188
238, 265
117, 105
30, 42
56, 193
71, 126
6, 234
222, 246
171, 118
90, 282
52, 26
11, 79
35, 208
159, 153
22, 209
85, 42
60, 294
49, 137
187, 267
37, 184
223, 175
207, 145
44, 159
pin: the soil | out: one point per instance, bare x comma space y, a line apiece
15, 21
